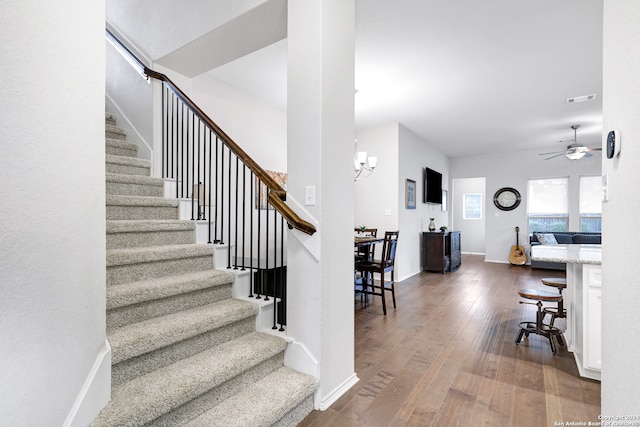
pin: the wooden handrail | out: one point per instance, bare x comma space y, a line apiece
275, 190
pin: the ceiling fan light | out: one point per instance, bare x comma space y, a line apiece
575, 155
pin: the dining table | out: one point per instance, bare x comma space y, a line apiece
360, 241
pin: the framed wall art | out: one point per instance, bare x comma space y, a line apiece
410, 194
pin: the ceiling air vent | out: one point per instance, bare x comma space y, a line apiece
581, 98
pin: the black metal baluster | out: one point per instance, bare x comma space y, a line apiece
180, 160
215, 197
221, 198
283, 280
251, 207
235, 264
266, 249
164, 133
198, 181
229, 215
244, 209
172, 138
193, 163
259, 240
210, 184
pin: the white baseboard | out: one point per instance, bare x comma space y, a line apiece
95, 392
324, 404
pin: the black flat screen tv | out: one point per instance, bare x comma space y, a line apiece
432, 187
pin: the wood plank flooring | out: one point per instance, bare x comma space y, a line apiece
447, 357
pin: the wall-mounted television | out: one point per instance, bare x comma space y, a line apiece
432, 187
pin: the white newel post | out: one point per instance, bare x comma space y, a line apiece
320, 151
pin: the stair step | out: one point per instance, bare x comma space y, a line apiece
145, 299
120, 147
114, 132
144, 337
134, 185
140, 208
126, 165
264, 402
134, 264
109, 119
140, 233
146, 398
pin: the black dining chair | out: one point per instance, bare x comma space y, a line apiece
365, 253
368, 270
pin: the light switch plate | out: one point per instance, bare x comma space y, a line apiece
310, 195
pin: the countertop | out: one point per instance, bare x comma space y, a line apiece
578, 254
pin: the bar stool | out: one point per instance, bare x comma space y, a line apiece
539, 327
559, 311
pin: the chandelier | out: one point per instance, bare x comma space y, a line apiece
363, 163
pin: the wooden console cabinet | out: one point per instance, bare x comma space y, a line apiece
441, 251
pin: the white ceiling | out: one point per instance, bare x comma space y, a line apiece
470, 77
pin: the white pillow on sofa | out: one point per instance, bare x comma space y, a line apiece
546, 238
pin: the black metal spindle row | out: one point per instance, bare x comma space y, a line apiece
229, 196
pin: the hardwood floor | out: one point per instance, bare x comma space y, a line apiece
447, 357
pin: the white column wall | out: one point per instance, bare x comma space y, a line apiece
52, 205
320, 135
620, 282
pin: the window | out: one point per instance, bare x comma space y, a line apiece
472, 208
548, 204
590, 203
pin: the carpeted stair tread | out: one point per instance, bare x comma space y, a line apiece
120, 143
128, 256
130, 293
143, 337
118, 200
127, 161
134, 179
141, 233
143, 399
134, 185
114, 131
263, 403
141, 226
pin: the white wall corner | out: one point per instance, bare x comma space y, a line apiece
310, 243
133, 135
95, 392
298, 357
323, 404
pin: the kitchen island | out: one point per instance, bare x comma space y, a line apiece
582, 299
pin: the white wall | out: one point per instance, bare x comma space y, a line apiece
258, 127
414, 155
375, 197
513, 169
473, 230
621, 285
380, 198
52, 205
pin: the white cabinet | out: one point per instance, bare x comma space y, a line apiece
583, 334
593, 317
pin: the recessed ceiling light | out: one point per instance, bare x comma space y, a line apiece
581, 98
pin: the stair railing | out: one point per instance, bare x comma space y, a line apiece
243, 205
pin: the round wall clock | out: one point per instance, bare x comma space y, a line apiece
507, 199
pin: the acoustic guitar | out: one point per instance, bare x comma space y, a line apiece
517, 255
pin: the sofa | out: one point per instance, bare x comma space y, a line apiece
561, 237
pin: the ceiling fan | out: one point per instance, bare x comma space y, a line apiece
574, 150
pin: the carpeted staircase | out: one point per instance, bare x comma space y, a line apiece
184, 352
